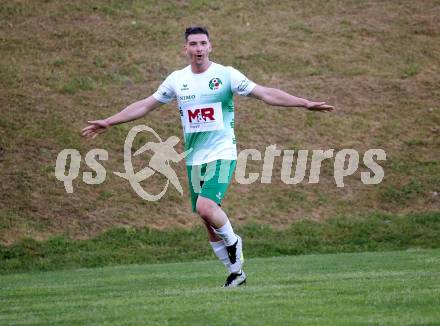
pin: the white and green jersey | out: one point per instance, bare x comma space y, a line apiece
207, 109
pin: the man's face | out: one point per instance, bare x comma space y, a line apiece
197, 48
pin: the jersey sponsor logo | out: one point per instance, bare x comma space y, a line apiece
215, 83
201, 115
205, 117
187, 97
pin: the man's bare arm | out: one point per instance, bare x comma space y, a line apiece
277, 97
132, 112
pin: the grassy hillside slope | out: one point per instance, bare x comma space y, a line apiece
63, 63
123, 246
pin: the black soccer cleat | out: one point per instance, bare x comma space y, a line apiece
235, 279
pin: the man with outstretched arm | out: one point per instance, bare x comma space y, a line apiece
204, 92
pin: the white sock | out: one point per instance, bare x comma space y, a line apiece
227, 234
220, 251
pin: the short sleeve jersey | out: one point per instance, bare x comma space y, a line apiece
206, 108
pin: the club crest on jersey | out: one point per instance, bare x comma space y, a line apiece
215, 83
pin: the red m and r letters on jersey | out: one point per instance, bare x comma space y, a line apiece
200, 115
203, 117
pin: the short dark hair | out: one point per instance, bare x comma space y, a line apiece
195, 30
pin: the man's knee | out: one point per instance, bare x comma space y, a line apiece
205, 207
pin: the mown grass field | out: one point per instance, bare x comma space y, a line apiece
389, 288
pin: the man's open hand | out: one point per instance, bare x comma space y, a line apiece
319, 106
95, 128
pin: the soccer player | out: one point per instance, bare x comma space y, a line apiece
204, 92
